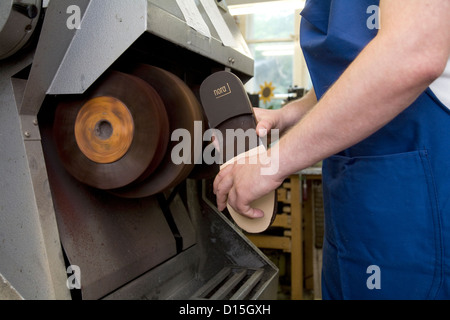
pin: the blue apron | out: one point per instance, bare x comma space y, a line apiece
387, 199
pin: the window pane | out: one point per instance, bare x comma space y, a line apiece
272, 25
273, 64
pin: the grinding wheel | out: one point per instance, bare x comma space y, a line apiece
114, 134
183, 109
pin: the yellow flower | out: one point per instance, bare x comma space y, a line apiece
266, 92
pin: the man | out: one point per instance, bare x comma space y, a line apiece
378, 117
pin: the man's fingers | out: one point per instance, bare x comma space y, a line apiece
222, 203
223, 173
263, 128
222, 185
226, 193
243, 206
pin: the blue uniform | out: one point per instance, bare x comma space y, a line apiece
387, 199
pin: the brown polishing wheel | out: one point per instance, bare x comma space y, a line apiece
183, 109
104, 129
114, 134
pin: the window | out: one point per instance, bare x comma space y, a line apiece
271, 31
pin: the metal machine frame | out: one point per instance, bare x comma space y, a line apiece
68, 61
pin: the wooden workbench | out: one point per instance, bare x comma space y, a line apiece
296, 219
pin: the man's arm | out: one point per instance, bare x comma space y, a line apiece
410, 51
286, 117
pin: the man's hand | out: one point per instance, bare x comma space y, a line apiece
286, 117
267, 120
243, 181
241, 184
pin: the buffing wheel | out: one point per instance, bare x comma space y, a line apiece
104, 129
183, 110
114, 134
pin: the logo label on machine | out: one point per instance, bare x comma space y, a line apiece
222, 91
